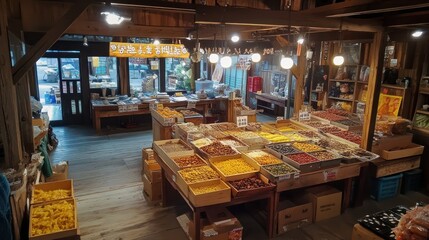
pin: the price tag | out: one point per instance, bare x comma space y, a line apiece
242, 121
304, 115
296, 176
152, 106
284, 177
133, 108
330, 174
280, 118
159, 106
173, 177
122, 108
191, 104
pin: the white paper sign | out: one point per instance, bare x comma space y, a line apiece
128, 108
191, 104
330, 174
242, 121
304, 115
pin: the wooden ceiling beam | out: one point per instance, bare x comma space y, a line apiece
358, 7
334, 36
30, 58
257, 17
126, 30
323, 10
408, 19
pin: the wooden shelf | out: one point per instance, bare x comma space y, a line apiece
393, 86
360, 82
424, 91
359, 101
421, 130
345, 80
422, 112
341, 99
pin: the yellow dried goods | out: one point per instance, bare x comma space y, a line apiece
43, 196
273, 137
208, 188
198, 174
233, 166
53, 217
169, 113
263, 158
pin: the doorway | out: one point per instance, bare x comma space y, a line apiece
59, 85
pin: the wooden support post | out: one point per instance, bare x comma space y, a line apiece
374, 86
9, 119
29, 59
123, 76
300, 81
24, 113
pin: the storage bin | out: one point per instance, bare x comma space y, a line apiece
385, 187
411, 181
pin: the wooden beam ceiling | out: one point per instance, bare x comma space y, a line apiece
257, 17
408, 19
30, 58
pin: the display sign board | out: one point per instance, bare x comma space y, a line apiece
304, 115
142, 50
242, 121
191, 104
128, 108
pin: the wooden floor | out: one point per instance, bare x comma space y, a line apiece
106, 172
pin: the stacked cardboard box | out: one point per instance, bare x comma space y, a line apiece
326, 202
151, 176
220, 224
294, 214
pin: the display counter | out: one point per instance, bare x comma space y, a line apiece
100, 109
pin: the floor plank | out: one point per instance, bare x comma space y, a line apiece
106, 171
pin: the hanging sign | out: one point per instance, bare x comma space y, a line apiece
141, 50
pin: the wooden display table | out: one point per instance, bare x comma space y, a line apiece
100, 110
268, 99
168, 183
345, 172
381, 167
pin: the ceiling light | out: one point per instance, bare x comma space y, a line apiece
213, 58
235, 38
256, 57
156, 42
300, 40
338, 60
417, 34
226, 61
189, 37
85, 41
286, 62
113, 18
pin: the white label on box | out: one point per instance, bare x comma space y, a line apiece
173, 177
285, 177
210, 232
128, 108
241, 121
191, 104
304, 115
280, 118
296, 176
330, 174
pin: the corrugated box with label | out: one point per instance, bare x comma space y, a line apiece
147, 154
326, 202
151, 190
152, 170
293, 215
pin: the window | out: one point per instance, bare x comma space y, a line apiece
144, 74
178, 74
70, 68
236, 75
103, 72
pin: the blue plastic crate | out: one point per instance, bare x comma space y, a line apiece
386, 187
412, 180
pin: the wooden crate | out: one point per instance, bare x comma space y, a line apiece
251, 192
152, 190
309, 167
249, 158
157, 147
183, 185
211, 198
197, 120
173, 165
147, 154
152, 170
411, 150
279, 178
162, 120
245, 147
235, 176
55, 235
210, 157
388, 167
50, 186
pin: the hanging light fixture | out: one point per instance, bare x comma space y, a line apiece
214, 57
85, 41
339, 59
235, 38
417, 33
287, 62
226, 61
256, 57
300, 39
156, 42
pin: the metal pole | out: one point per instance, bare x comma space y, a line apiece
289, 95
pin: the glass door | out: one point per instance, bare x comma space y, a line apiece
47, 73
70, 89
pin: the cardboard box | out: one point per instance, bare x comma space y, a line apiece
326, 202
294, 215
152, 170
147, 154
361, 233
396, 141
152, 190
60, 172
219, 225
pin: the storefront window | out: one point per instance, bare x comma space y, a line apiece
178, 74
70, 69
103, 72
144, 75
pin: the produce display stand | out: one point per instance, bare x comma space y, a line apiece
344, 172
168, 182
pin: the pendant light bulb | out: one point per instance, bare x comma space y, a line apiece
213, 58
286, 62
235, 38
338, 60
226, 61
417, 34
256, 57
156, 42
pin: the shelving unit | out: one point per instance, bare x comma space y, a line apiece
422, 99
339, 81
